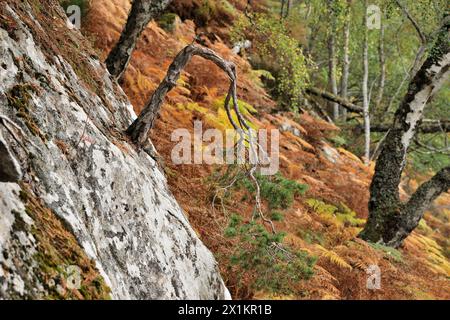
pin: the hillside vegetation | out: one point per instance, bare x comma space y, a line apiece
318, 201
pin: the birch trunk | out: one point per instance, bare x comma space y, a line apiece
391, 221
345, 60
365, 92
332, 58
382, 60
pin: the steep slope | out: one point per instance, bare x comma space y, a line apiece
74, 192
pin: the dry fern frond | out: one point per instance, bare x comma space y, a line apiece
142, 82
321, 207
435, 258
359, 265
333, 257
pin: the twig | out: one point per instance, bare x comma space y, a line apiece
416, 26
377, 148
4, 120
82, 134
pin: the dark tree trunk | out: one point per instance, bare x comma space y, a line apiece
282, 9
390, 221
142, 12
288, 8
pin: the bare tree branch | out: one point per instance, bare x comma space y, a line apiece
141, 126
425, 127
329, 96
423, 39
420, 201
422, 36
319, 108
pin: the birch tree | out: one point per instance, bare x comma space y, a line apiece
365, 80
382, 61
332, 56
345, 57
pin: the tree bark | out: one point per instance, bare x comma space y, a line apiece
140, 128
390, 221
420, 201
365, 93
382, 61
142, 12
283, 3
345, 59
332, 57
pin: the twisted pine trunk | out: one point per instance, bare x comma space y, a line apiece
391, 221
142, 11
140, 128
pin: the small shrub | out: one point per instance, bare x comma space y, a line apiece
348, 217
245, 108
342, 215
259, 255
338, 141
321, 207
82, 4
278, 191
220, 119
167, 21
270, 39
311, 237
277, 216
210, 10
388, 251
333, 257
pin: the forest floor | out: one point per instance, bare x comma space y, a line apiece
324, 222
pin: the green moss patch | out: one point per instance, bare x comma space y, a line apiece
19, 98
61, 260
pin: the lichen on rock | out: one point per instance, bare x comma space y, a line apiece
110, 202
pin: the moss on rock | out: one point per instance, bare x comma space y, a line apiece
64, 268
